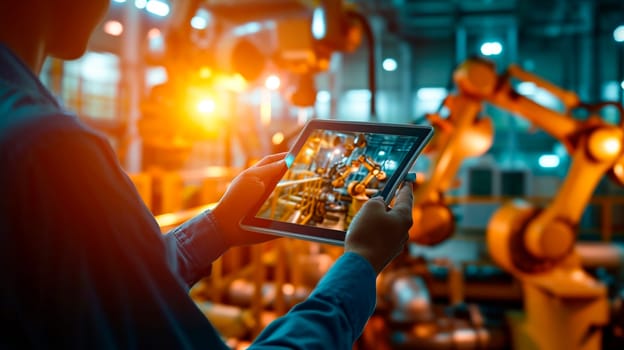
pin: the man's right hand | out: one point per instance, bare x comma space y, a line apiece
379, 233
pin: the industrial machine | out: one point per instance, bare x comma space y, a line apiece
223, 57
564, 306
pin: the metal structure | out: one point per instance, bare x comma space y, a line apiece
564, 305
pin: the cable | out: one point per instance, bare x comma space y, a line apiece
372, 62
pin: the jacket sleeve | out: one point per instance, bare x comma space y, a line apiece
193, 246
333, 316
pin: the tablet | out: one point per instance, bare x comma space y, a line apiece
333, 168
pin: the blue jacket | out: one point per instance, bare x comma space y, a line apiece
85, 266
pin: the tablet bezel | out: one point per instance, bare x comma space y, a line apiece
423, 133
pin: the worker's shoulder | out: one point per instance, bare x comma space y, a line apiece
25, 115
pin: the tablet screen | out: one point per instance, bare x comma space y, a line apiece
333, 169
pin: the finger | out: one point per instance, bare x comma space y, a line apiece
268, 171
270, 159
376, 203
404, 200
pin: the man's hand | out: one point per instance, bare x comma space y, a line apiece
379, 233
244, 192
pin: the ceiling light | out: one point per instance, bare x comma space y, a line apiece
389, 64
114, 28
157, 7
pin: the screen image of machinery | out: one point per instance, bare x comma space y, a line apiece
332, 175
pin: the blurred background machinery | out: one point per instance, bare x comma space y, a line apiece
517, 241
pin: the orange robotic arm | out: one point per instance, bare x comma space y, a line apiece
595, 146
357, 188
464, 134
563, 303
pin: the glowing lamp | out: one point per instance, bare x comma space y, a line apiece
272, 82
491, 48
549, 161
618, 34
157, 7
319, 23
206, 106
114, 28
277, 138
389, 64
199, 23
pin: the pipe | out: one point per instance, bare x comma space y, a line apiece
372, 61
600, 254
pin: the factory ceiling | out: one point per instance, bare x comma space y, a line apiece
417, 20
426, 19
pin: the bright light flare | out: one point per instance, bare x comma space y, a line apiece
618, 34
319, 23
389, 64
491, 48
114, 28
202, 19
199, 23
549, 161
277, 138
272, 82
206, 106
158, 8
612, 146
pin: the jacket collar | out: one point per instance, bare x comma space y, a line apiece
13, 72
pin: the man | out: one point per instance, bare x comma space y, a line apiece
83, 262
